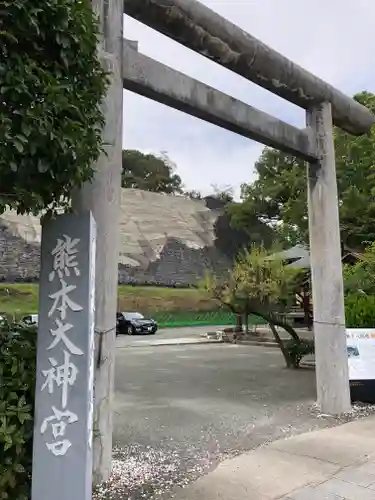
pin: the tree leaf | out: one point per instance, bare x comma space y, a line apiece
18, 145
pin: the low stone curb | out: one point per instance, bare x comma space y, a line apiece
307, 364
258, 343
171, 342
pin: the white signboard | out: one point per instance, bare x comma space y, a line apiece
361, 353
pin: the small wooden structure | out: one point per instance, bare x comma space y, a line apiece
298, 257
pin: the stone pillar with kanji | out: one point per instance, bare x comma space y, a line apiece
62, 453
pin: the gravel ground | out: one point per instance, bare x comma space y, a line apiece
180, 410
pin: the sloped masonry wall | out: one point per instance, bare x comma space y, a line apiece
165, 240
19, 261
177, 265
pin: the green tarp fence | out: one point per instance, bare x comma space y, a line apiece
199, 318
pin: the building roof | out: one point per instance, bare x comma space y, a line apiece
297, 257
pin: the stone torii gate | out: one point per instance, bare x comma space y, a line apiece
204, 31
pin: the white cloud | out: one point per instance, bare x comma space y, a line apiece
332, 38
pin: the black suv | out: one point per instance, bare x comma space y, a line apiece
131, 323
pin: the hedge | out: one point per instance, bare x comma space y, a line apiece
359, 313
17, 386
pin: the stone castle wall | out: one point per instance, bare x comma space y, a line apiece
167, 240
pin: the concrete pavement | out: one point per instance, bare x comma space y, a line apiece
181, 410
329, 464
198, 335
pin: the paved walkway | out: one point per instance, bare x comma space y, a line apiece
330, 464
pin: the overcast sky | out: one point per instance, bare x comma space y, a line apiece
332, 38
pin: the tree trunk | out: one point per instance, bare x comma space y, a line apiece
238, 323
281, 345
277, 321
246, 315
305, 299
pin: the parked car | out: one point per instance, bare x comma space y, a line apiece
31, 319
131, 323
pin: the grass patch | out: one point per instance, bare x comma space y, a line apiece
155, 299
21, 299
17, 300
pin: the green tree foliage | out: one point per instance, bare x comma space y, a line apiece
228, 239
359, 285
193, 194
257, 285
17, 387
360, 277
263, 281
279, 195
51, 86
149, 172
360, 311
232, 240
223, 193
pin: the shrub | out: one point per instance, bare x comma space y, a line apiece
17, 385
297, 350
360, 311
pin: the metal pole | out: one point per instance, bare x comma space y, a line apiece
331, 356
102, 197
